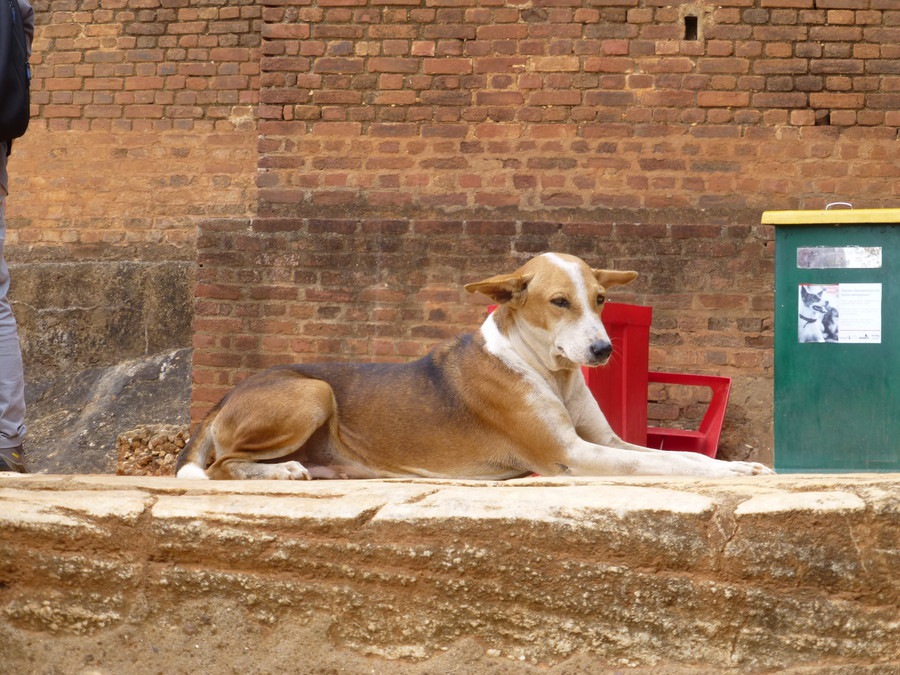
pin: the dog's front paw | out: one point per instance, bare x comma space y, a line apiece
292, 471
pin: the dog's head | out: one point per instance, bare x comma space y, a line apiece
812, 297
553, 304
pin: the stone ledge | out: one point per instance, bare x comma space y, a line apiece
536, 575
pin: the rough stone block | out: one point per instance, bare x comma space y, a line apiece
671, 575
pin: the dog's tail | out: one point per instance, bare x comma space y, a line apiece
192, 460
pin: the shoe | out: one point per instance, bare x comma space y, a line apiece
13, 459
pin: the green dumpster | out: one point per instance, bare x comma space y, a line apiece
837, 340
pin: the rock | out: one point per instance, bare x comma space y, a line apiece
75, 419
150, 449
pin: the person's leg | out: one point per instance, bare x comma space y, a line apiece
12, 378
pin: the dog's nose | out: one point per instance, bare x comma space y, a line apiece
601, 349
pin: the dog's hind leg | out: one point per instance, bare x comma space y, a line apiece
269, 417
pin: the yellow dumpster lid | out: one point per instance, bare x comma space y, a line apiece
832, 217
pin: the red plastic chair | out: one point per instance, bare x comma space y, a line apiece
705, 439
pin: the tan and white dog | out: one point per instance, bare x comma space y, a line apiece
508, 401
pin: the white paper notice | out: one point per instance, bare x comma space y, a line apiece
844, 257
860, 313
842, 313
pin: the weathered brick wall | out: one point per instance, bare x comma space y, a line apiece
402, 147
556, 106
143, 119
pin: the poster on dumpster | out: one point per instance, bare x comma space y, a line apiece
839, 313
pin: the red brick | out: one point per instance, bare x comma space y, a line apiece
447, 66
843, 4
803, 117
724, 99
794, 4
556, 64
829, 100
393, 65
554, 97
502, 98
282, 31
779, 100
837, 66
884, 101
337, 129
673, 64
499, 64
608, 64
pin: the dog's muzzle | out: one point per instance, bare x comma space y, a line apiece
600, 350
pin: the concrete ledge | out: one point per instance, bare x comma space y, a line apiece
159, 575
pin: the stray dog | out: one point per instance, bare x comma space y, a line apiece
507, 401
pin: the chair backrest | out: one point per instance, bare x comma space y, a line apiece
620, 386
710, 428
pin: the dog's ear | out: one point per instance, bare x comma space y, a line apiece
610, 278
503, 288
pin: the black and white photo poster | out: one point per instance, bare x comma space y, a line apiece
839, 313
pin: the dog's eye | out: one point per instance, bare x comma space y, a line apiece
600, 300
560, 302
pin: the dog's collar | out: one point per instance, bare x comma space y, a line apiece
807, 319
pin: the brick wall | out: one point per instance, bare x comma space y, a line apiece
401, 148
143, 119
559, 106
